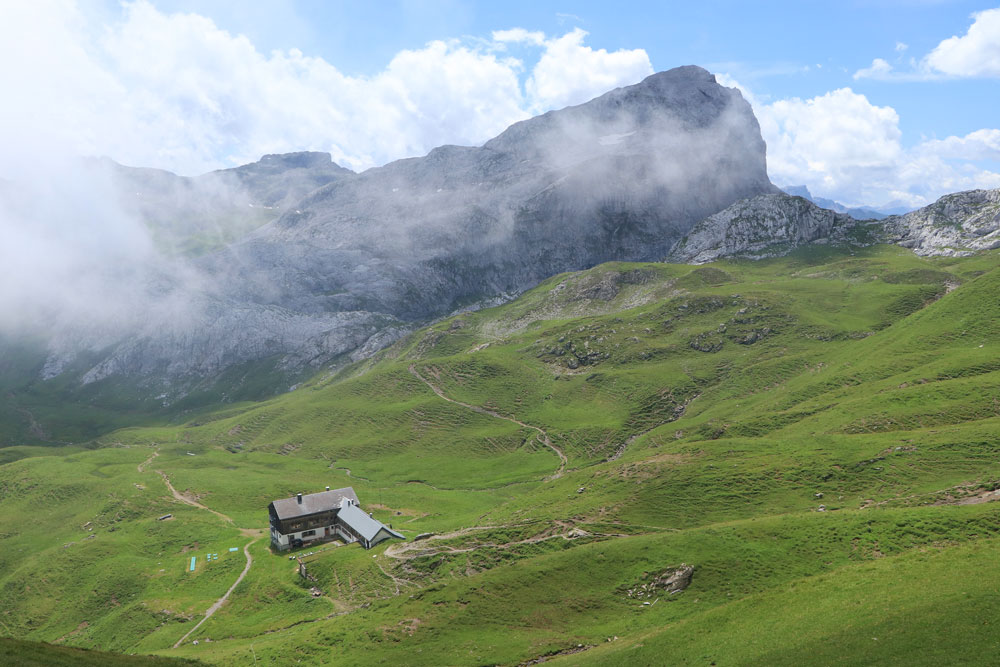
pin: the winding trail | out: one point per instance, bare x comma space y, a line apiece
542, 435
408, 550
218, 603
247, 532
142, 466
347, 471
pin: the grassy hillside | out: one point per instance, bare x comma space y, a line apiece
816, 435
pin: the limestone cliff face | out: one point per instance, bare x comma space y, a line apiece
763, 226
618, 178
957, 224
353, 263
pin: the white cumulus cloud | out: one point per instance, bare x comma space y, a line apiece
845, 148
175, 91
976, 53
570, 72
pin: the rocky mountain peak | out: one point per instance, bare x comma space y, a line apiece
300, 160
354, 256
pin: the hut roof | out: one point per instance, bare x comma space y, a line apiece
313, 503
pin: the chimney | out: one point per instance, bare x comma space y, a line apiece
298, 496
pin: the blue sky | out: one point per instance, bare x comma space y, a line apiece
865, 102
774, 47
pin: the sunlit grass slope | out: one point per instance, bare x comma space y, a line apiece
816, 435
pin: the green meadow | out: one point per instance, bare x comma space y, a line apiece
818, 436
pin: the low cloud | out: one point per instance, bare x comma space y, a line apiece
174, 91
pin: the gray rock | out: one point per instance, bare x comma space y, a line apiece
767, 226
955, 225
774, 224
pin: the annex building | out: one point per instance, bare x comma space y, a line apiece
327, 515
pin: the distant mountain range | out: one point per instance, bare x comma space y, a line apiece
857, 212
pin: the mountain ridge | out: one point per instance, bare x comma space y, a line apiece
616, 178
957, 224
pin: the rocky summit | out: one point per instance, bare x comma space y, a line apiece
353, 263
620, 177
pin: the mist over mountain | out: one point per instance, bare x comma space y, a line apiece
321, 262
293, 261
195, 215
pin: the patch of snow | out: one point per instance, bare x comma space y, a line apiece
612, 139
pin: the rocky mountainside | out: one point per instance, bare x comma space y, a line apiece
194, 215
764, 226
620, 177
956, 224
352, 264
772, 225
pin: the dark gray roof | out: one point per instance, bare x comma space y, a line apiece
289, 508
363, 524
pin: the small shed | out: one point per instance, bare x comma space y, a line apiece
363, 527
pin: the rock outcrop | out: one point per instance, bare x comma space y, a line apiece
954, 225
772, 225
768, 226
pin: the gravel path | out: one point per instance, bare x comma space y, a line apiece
218, 603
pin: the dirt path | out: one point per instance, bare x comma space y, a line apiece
428, 548
542, 435
218, 603
142, 466
248, 532
347, 471
396, 549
